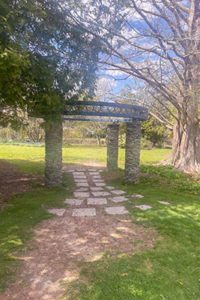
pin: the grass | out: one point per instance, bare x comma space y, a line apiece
22, 213
30, 159
169, 271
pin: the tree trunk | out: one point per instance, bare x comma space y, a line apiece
99, 140
186, 147
53, 152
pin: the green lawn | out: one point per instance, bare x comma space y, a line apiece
170, 271
30, 159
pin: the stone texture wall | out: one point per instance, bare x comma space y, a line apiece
53, 152
132, 159
112, 146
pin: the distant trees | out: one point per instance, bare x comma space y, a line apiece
31, 131
154, 132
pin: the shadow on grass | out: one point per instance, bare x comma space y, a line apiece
169, 271
28, 166
17, 220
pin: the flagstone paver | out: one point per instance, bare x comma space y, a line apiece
78, 173
94, 173
100, 194
116, 210
84, 212
74, 201
84, 184
96, 189
100, 184
80, 180
96, 201
137, 196
82, 189
81, 194
144, 207
110, 187
98, 180
118, 199
164, 202
117, 192
56, 211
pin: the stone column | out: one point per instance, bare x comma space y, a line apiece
53, 152
132, 153
112, 146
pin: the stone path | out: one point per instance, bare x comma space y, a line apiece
92, 196
94, 222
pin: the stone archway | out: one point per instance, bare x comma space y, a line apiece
111, 112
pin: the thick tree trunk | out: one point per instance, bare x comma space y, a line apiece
53, 152
186, 147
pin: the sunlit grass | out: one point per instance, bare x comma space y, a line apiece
31, 159
169, 271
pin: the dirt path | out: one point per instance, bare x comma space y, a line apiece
61, 243
13, 182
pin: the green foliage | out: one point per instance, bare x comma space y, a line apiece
45, 58
154, 132
176, 179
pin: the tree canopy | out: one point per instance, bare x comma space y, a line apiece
45, 58
156, 42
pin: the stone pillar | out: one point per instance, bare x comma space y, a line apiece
112, 146
132, 153
53, 152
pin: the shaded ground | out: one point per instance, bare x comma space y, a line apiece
62, 243
13, 182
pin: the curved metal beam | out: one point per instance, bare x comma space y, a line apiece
110, 110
